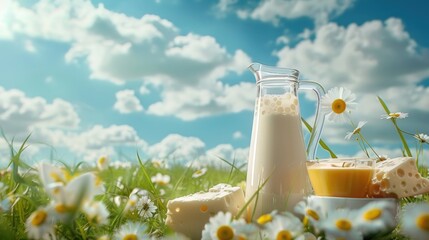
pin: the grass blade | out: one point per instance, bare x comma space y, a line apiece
321, 142
398, 130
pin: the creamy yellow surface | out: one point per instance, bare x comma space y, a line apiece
337, 181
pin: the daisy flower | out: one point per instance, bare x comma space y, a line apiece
199, 172
423, 138
69, 198
161, 180
394, 115
157, 163
337, 103
143, 205
356, 131
103, 163
283, 226
52, 174
340, 225
415, 221
96, 212
219, 227
139, 192
266, 218
245, 231
306, 236
132, 230
146, 207
40, 224
311, 211
376, 217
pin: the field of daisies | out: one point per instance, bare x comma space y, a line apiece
110, 199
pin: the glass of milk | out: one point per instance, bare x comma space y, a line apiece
277, 176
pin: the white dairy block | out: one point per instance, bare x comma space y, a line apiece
189, 214
277, 156
398, 177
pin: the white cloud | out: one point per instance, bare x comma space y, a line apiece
175, 147
237, 156
143, 90
366, 58
191, 103
20, 114
274, 10
118, 48
202, 49
127, 102
29, 46
237, 135
373, 59
56, 124
99, 140
223, 7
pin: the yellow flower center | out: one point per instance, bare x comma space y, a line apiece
56, 177
102, 160
372, 214
225, 232
305, 221
422, 222
284, 235
132, 202
313, 214
343, 224
130, 236
264, 219
62, 208
39, 218
394, 115
338, 106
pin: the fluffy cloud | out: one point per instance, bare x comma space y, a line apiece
100, 140
181, 149
175, 147
374, 59
190, 103
274, 10
236, 156
127, 102
56, 124
118, 48
366, 58
20, 114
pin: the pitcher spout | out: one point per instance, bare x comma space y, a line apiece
255, 68
263, 72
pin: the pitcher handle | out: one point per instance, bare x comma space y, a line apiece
313, 142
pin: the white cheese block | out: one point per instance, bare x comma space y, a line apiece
398, 177
189, 214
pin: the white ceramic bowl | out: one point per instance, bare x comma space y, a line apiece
329, 204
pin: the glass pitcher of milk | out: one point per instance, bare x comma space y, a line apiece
277, 177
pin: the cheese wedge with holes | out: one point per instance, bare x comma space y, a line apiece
398, 177
189, 214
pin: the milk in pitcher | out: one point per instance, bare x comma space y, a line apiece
277, 157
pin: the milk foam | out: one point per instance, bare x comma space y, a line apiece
286, 104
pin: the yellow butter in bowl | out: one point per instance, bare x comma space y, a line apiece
341, 177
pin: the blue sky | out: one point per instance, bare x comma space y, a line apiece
169, 79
